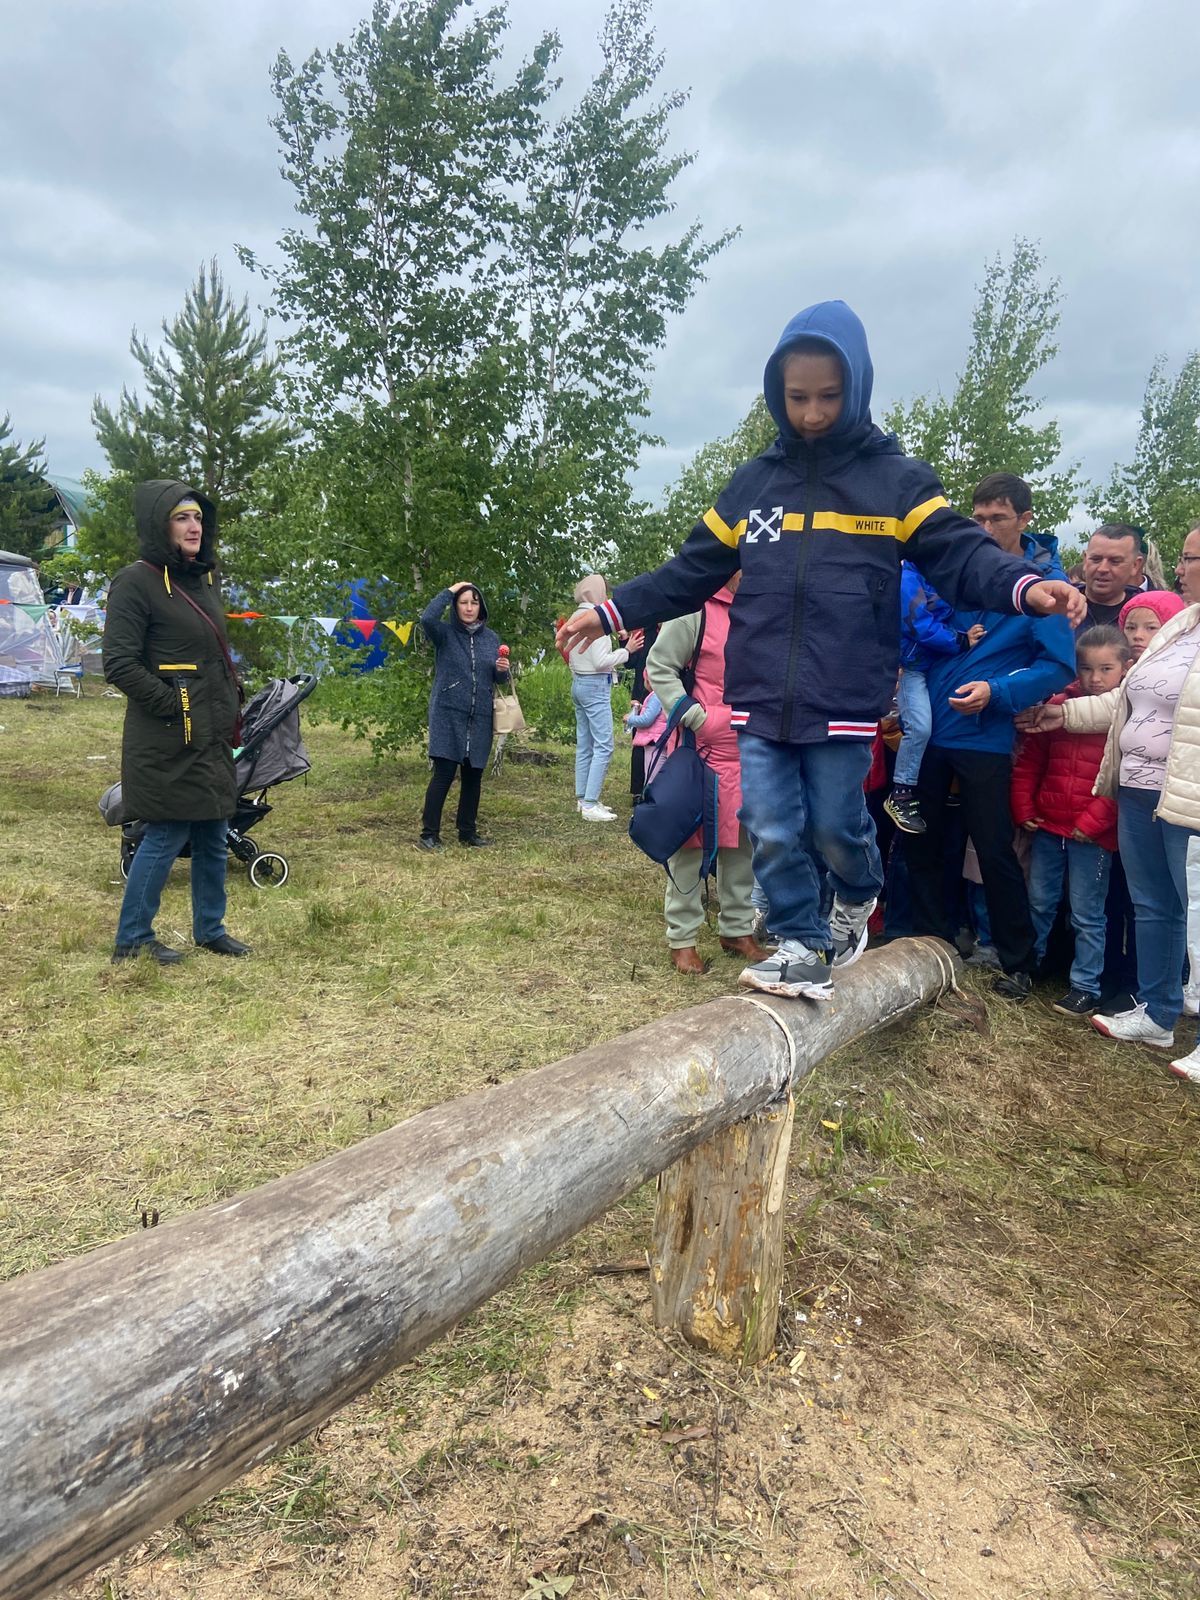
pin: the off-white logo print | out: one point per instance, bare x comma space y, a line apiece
771, 525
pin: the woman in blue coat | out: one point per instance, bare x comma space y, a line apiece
468, 664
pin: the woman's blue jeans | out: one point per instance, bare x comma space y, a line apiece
1155, 857
592, 696
1086, 868
804, 807
150, 868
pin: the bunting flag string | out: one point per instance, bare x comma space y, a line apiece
365, 626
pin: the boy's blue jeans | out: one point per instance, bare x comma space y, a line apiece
1086, 868
592, 696
1155, 857
804, 807
916, 719
150, 867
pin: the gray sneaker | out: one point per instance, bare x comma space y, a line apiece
848, 930
793, 971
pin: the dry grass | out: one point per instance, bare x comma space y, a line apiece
993, 1238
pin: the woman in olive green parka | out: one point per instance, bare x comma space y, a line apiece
165, 649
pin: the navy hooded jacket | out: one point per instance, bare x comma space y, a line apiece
1023, 659
818, 531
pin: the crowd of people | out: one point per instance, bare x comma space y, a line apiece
916, 721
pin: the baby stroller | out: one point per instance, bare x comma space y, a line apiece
271, 752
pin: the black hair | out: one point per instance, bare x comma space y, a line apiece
1004, 486
1103, 636
1122, 530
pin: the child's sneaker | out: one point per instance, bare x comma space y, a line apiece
1188, 1066
1134, 1027
1077, 1003
849, 931
793, 971
901, 805
1191, 999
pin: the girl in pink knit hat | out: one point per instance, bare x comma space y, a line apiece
1141, 618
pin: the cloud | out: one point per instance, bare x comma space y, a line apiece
878, 153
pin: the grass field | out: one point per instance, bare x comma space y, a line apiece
989, 1357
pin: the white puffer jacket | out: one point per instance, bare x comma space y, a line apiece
1093, 713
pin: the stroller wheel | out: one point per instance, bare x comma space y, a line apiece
128, 851
269, 870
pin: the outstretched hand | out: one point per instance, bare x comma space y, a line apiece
581, 627
1055, 597
1040, 719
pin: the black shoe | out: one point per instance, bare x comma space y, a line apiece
475, 840
162, 953
1016, 986
901, 805
429, 841
225, 946
1078, 1003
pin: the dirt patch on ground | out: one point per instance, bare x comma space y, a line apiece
632, 1465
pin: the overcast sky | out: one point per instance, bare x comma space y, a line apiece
876, 152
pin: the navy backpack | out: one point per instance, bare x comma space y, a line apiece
680, 793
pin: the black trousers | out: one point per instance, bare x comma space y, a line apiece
983, 784
468, 796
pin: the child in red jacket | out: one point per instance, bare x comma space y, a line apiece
1074, 831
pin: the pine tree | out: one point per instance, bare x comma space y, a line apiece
27, 505
208, 416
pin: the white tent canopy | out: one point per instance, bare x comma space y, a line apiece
29, 647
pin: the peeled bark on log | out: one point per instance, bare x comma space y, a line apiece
716, 1263
142, 1377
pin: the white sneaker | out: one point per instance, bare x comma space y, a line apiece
597, 813
1188, 1066
848, 930
1191, 1000
1134, 1027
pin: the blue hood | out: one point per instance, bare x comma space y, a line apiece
833, 322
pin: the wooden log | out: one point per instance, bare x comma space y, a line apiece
140, 1378
716, 1261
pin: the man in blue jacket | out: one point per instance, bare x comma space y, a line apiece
1018, 662
817, 524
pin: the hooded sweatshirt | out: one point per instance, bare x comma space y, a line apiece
818, 530
465, 674
165, 649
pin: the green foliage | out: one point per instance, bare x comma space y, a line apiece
27, 506
695, 491
208, 416
1159, 490
472, 310
989, 424
107, 540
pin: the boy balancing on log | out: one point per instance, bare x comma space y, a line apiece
818, 524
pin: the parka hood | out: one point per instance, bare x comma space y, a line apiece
833, 322
153, 503
455, 619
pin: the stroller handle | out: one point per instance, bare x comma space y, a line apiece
306, 682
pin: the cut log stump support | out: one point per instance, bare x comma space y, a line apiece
716, 1261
